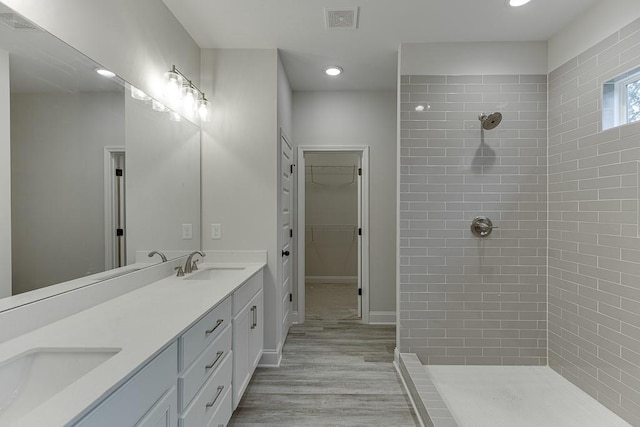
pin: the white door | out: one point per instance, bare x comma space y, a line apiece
115, 208
286, 218
360, 237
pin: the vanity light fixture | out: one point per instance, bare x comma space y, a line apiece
174, 117
105, 73
518, 3
159, 106
139, 95
333, 71
179, 87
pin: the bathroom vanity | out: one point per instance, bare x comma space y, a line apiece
177, 352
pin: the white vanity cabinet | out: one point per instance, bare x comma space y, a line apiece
205, 375
147, 399
248, 334
198, 379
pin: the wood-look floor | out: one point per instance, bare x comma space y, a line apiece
334, 372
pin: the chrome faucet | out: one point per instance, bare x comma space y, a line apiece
188, 266
152, 253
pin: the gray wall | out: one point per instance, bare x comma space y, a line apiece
57, 158
239, 165
361, 118
594, 250
466, 300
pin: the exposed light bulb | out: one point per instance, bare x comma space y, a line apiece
173, 88
189, 97
204, 110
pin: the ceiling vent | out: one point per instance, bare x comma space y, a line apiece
341, 19
17, 22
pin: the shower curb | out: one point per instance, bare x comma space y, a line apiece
430, 408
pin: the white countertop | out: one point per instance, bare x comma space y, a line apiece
142, 323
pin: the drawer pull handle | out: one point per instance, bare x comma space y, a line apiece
213, 402
212, 364
218, 323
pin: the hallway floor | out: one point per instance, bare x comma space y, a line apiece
333, 373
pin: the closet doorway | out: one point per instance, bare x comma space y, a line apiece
333, 249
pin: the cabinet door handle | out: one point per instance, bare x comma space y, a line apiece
218, 323
213, 402
254, 309
212, 364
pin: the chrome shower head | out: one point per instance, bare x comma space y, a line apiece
490, 121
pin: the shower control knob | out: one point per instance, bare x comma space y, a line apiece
481, 226
285, 253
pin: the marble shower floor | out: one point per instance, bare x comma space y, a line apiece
333, 373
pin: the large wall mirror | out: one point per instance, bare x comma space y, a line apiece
100, 173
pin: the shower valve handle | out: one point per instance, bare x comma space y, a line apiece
481, 226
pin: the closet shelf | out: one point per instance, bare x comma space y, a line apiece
332, 228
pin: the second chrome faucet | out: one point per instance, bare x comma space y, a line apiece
190, 265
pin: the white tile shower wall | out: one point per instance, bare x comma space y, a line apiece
466, 300
594, 249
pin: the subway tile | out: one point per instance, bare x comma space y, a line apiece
598, 48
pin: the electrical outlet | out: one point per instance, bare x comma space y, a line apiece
187, 231
216, 231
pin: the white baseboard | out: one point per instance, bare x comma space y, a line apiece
270, 359
295, 317
382, 317
331, 279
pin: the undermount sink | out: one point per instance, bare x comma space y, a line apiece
212, 273
35, 376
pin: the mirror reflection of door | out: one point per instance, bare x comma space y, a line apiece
115, 208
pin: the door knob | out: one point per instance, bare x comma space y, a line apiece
285, 253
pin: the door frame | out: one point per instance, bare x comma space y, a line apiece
363, 150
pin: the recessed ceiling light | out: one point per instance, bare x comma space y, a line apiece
517, 3
105, 73
333, 71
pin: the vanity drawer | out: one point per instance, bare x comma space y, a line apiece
191, 380
200, 335
211, 398
223, 414
243, 295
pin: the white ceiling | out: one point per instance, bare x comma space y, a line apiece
368, 54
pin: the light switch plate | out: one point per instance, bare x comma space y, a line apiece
187, 231
216, 231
